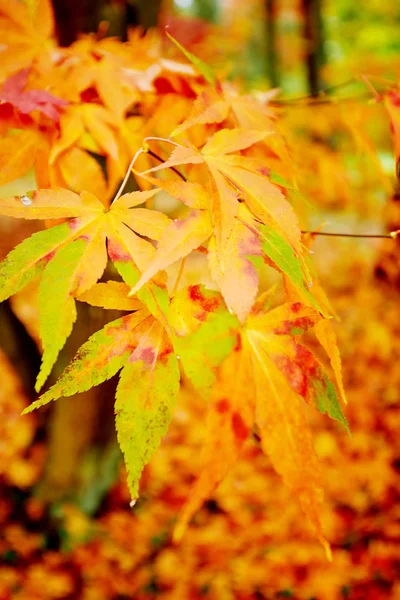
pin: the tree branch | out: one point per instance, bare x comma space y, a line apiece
154, 155
392, 234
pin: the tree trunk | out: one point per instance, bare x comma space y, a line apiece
146, 12
80, 424
313, 35
272, 55
387, 267
73, 18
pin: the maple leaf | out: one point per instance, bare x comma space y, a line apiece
327, 338
232, 175
73, 255
56, 303
19, 153
147, 388
233, 267
118, 97
229, 420
145, 398
263, 198
257, 372
323, 329
77, 170
216, 105
199, 64
91, 65
87, 129
279, 412
134, 68
182, 236
285, 259
56, 203
97, 360
87, 124
276, 331
29, 258
178, 240
204, 333
118, 340
286, 439
25, 29
232, 263
262, 381
26, 102
110, 295
189, 193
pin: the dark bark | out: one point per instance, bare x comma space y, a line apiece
387, 267
271, 50
313, 36
19, 347
73, 18
78, 423
146, 12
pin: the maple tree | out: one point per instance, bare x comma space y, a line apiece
78, 115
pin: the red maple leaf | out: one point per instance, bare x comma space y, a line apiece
27, 101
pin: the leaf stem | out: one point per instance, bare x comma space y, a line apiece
128, 172
159, 139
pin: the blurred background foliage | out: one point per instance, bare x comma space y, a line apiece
66, 527
278, 39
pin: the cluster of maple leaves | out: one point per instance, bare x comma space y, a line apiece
84, 118
249, 542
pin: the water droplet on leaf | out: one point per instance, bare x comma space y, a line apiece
26, 201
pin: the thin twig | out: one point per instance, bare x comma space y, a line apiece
322, 93
317, 101
392, 234
154, 155
370, 86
